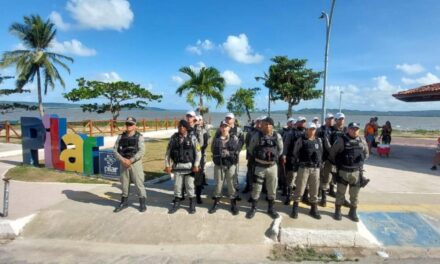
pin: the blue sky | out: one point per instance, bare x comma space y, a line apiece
377, 47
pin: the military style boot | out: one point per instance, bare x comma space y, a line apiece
142, 205
122, 205
234, 208
192, 206
288, 197
294, 213
251, 213
338, 215
199, 194
314, 211
323, 201
176, 205
331, 190
352, 214
272, 211
305, 197
214, 206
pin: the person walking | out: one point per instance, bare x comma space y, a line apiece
385, 134
225, 151
369, 133
308, 151
266, 147
349, 153
183, 159
129, 149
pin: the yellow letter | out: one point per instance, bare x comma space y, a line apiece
73, 157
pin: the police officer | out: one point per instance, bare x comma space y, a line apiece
196, 131
324, 133
290, 139
129, 149
250, 159
266, 148
183, 159
281, 165
205, 134
235, 130
225, 150
308, 151
348, 153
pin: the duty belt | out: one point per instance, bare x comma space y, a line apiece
309, 165
264, 163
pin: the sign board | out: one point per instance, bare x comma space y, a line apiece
109, 165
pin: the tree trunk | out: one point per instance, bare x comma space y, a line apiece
289, 110
40, 98
201, 109
249, 115
268, 105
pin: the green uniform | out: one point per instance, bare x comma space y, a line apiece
266, 150
135, 172
348, 154
183, 153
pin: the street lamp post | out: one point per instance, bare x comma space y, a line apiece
340, 100
328, 23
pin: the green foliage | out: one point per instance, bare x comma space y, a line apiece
290, 81
242, 101
119, 95
36, 35
6, 107
206, 83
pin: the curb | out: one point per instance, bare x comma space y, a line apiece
10, 229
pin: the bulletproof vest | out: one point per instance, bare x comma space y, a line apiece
310, 152
128, 146
182, 152
325, 132
267, 147
352, 157
225, 153
297, 133
206, 137
336, 134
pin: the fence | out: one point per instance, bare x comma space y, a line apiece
95, 127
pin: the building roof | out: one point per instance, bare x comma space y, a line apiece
425, 93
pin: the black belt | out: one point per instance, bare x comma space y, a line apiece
309, 165
349, 170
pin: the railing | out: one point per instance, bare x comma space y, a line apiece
94, 127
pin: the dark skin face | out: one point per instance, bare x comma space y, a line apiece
301, 124
340, 122
182, 130
353, 132
329, 122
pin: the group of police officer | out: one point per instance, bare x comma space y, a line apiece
304, 160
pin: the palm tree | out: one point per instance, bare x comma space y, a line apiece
205, 83
36, 35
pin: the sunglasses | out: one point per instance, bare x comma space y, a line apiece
129, 124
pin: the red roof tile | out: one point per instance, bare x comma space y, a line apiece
429, 92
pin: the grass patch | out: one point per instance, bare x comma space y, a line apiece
35, 174
297, 254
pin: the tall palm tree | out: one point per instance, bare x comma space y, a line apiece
206, 83
36, 35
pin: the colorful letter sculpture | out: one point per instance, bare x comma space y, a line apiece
62, 151
33, 137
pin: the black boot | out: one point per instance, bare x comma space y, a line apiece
323, 201
272, 211
142, 205
234, 208
122, 205
288, 196
338, 215
192, 206
176, 205
199, 194
352, 214
205, 183
331, 190
214, 206
251, 213
434, 167
314, 211
294, 213
305, 197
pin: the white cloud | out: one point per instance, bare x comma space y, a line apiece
108, 77
410, 68
238, 48
19, 46
429, 78
200, 47
231, 78
177, 79
437, 68
56, 18
101, 14
73, 47
198, 66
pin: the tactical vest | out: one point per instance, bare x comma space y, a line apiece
225, 154
296, 134
128, 146
310, 153
352, 157
336, 134
182, 152
267, 149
